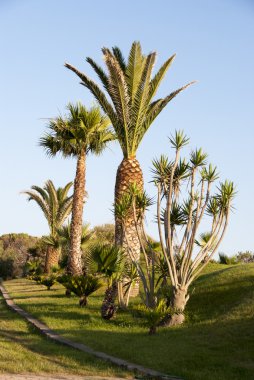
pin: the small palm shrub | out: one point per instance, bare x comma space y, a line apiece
37, 278
81, 286
33, 267
48, 281
153, 316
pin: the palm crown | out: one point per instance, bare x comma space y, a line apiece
55, 203
82, 130
131, 89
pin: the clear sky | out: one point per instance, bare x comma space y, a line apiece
214, 42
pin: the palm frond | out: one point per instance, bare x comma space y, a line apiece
120, 58
156, 107
54, 203
134, 69
96, 91
156, 81
118, 91
99, 71
141, 101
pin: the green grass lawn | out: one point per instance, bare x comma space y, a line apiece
24, 351
216, 342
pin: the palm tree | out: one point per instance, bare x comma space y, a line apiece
107, 260
82, 132
128, 100
56, 206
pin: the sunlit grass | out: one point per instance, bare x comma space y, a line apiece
23, 351
216, 342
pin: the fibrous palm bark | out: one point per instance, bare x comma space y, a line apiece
108, 307
82, 132
74, 257
52, 258
129, 172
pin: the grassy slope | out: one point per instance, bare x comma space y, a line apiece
216, 342
23, 351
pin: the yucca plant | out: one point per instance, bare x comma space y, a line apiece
56, 206
179, 221
77, 134
129, 101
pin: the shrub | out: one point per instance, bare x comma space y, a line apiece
48, 281
15, 251
81, 286
33, 267
224, 259
245, 257
152, 316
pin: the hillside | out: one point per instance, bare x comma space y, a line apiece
217, 340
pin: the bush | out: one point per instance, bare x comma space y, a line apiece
15, 251
33, 267
48, 281
152, 316
224, 259
245, 257
81, 286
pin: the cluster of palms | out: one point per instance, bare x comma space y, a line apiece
129, 107
126, 109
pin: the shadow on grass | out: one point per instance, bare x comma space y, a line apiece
30, 339
224, 348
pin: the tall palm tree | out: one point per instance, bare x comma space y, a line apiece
128, 100
56, 206
82, 132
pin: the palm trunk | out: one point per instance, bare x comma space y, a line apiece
74, 266
128, 172
108, 308
52, 258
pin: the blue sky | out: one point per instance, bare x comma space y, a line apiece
214, 44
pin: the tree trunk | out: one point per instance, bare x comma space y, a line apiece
128, 172
52, 258
74, 265
178, 303
108, 308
